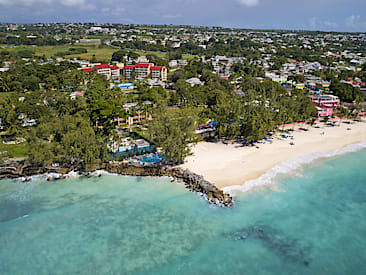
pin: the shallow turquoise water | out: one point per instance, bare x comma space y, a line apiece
314, 223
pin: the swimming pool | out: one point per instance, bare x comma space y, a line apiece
152, 159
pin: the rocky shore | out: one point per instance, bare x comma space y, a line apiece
193, 182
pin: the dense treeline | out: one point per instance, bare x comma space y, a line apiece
234, 47
32, 77
346, 92
38, 40
65, 131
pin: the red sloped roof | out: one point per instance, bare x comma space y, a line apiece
129, 67
157, 68
102, 66
138, 65
321, 106
88, 69
114, 67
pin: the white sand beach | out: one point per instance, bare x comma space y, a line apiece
226, 165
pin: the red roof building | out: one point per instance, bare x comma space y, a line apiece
159, 72
139, 65
88, 69
102, 66
129, 67
142, 70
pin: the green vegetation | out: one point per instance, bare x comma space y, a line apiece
13, 150
86, 51
346, 92
235, 93
65, 131
173, 130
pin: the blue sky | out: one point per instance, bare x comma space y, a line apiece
327, 15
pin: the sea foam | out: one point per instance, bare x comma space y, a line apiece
291, 166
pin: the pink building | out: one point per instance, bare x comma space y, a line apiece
323, 110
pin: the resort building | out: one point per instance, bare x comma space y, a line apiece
323, 110
104, 69
158, 72
115, 72
142, 70
138, 71
110, 72
326, 100
128, 71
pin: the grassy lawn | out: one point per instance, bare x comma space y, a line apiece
103, 54
14, 150
188, 56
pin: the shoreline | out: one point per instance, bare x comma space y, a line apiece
231, 167
193, 182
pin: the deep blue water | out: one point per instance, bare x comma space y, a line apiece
312, 223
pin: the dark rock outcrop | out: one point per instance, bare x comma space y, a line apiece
193, 182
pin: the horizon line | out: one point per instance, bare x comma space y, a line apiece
186, 25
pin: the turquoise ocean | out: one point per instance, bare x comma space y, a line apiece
307, 220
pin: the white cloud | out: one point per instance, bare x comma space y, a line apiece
26, 3
354, 22
172, 16
316, 24
81, 4
249, 3
330, 25
312, 22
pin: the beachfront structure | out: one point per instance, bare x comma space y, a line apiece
326, 100
323, 110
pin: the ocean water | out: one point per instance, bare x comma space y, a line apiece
309, 222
